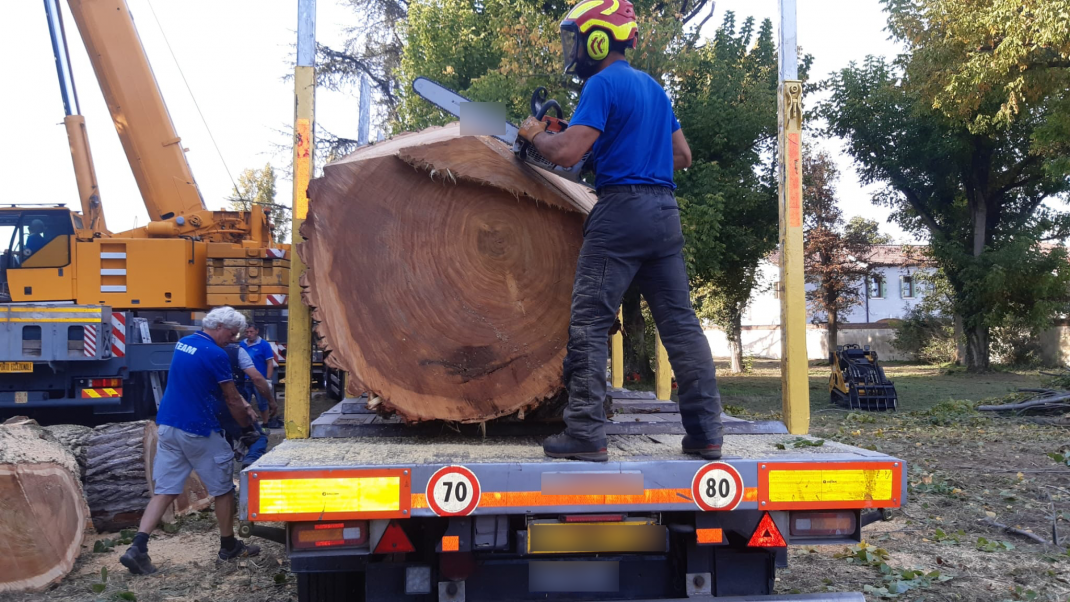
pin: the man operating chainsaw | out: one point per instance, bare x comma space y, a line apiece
626, 120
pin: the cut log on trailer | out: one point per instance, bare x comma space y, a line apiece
43, 513
440, 273
118, 480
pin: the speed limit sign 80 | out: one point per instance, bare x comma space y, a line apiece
717, 486
453, 491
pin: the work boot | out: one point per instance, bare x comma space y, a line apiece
137, 562
566, 446
240, 550
708, 451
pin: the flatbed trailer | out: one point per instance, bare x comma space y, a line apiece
371, 509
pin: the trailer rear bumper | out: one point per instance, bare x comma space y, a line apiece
826, 597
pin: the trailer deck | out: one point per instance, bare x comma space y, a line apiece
323, 478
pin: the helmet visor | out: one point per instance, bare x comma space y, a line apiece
570, 45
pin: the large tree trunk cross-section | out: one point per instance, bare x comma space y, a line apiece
42, 511
441, 273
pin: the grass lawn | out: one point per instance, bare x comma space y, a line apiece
919, 386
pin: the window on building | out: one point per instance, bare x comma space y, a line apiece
776, 289
876, 287
906, 287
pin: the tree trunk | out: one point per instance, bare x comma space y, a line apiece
118, 480
735, 343
977, 349
75, 438
832, 334
43, 513
441, 273
960, 341
636, 358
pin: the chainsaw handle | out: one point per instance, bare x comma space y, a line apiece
540, 104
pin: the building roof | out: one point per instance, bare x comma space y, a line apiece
899, 255
887, 256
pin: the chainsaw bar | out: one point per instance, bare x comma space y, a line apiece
450, 102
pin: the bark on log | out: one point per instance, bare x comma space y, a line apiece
441, 272
43, 513
118, 479
75, 438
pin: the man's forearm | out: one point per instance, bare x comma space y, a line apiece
555, 149
238, 409
264, 388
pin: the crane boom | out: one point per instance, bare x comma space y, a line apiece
137, 108
84, 173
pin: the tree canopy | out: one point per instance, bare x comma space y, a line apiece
984, 193
257, 187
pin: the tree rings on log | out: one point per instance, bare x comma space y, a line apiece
43, 511
441, 271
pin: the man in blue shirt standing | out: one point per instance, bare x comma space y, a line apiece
263, 357
625, 119
200, 387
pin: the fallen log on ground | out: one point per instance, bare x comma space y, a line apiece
1047, 403
118, 479
43, 510
440, 273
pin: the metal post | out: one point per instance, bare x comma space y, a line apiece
616, 355
794, 365
364, 118
299, 340
662, 369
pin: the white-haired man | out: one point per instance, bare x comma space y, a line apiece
200, 387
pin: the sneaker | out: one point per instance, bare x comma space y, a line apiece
137, 562
275, 423
708, 451
566, 446
240, 550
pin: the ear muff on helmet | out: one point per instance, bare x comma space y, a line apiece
598, 45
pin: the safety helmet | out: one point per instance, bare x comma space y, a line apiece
594, 23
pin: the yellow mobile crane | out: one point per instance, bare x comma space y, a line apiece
73, 294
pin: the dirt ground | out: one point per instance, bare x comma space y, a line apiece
965, 467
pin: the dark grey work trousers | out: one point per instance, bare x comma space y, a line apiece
634, 233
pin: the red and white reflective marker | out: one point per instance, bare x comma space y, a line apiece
717, 486
453, 491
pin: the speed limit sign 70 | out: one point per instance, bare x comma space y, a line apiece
453, 491
717, 486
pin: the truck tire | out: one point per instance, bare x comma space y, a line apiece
328, 587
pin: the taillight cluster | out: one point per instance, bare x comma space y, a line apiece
352, 533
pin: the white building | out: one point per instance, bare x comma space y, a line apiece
890, 294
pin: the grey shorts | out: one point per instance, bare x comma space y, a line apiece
179, 452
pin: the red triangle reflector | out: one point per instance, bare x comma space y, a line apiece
394, 541
767, 535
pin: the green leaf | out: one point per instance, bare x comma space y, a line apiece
98, 587
104, 574
280, 578
129, 596
101, 546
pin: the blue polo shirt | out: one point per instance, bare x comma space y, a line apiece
261, 353
193, 399
637, 123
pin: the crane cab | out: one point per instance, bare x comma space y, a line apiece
37, 261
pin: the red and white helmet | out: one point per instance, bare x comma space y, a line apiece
594, 23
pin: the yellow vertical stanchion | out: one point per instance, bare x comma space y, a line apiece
616, 356
299, 321
794, 364
662, 369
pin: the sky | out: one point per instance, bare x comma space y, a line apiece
235, 55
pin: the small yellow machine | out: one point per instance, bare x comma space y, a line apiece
858, 381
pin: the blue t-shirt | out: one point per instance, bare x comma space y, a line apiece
637, 123
193, 399
261, 353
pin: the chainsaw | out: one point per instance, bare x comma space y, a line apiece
450, 101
